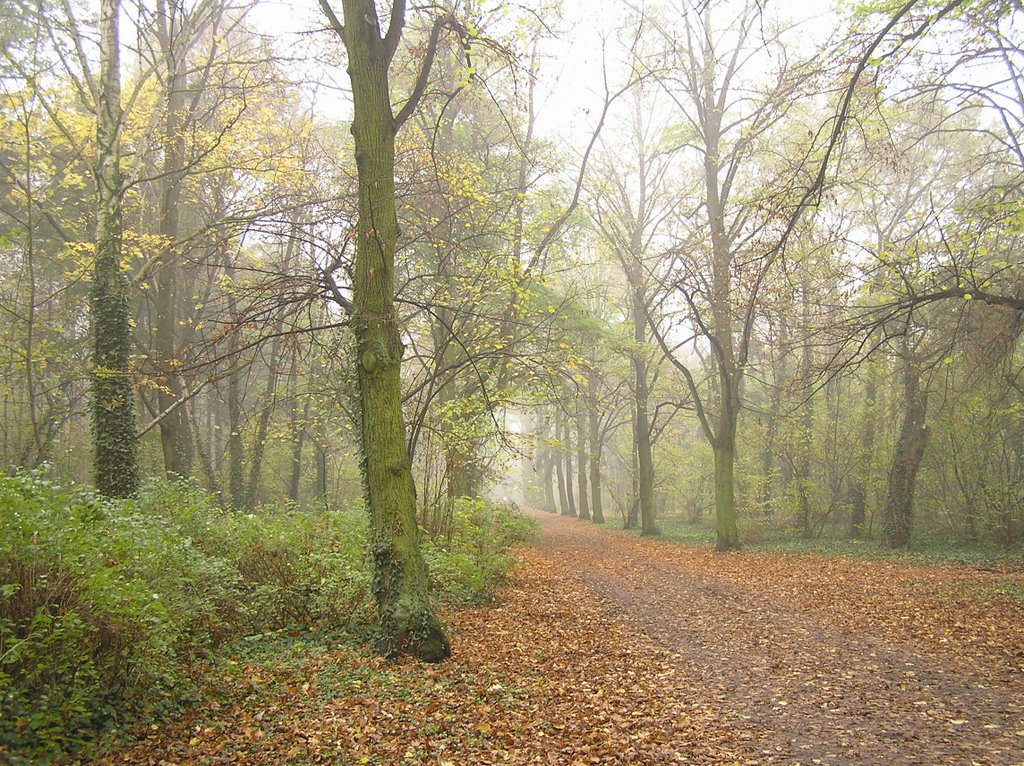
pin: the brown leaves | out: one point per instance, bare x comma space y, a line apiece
611, 650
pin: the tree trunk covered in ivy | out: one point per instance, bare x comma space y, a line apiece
407, 623
113, 400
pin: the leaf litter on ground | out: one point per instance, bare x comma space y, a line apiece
607, 649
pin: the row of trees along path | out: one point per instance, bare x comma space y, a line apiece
612, 649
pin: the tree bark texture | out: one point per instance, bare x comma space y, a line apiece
175, 435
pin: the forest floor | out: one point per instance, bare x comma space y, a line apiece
610, 649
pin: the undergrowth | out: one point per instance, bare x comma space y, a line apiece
111, 610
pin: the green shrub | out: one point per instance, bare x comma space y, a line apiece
103, 610
108, 609
465, 565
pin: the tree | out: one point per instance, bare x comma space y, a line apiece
113, 400
729, 107
629, 212
407, 623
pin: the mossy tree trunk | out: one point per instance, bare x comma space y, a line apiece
407, 622
113, 401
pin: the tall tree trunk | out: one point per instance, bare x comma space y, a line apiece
407, 622
298, 431
897, 514
212, 485
320, 481
215, 427
262, 426
113, 400
642, 423
768, 470
723, 342
41, 445
563, 500
547, 459
725, 459
595, 467
549, 481
582, 463
805, 437
235, 449
633, 511
175, 436
570, 494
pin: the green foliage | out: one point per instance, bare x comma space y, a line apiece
473, 558
110, 609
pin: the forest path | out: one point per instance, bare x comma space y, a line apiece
605, 648
806, 659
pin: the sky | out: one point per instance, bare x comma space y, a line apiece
571, 86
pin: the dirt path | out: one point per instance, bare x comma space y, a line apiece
608, 649
816, 660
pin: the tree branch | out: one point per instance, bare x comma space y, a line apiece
333, 19
420, 87
395, 27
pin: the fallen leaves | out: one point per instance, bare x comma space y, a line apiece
610, 650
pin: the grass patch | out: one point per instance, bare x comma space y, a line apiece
756, 536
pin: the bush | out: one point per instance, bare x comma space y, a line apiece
108, 609
473, 558
96, 614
